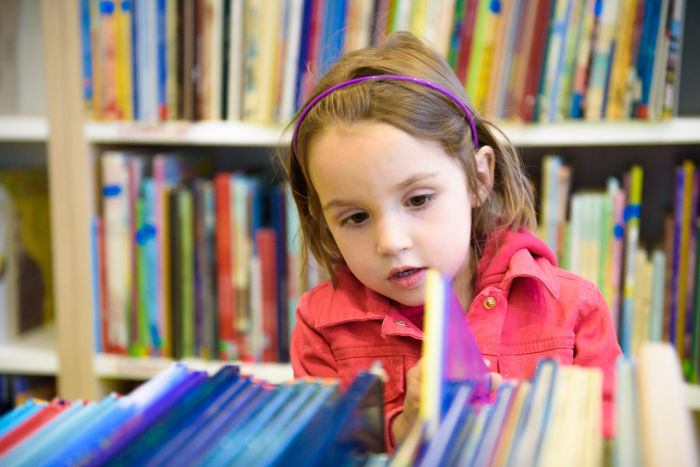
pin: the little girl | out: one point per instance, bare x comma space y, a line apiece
393, 171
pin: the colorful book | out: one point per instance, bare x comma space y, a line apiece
632, 216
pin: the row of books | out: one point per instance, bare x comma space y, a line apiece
190, 263
186, 417
26, 281
257, 60
189, 418
652, 295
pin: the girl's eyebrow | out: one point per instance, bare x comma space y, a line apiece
416, 178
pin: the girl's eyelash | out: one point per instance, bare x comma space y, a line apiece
345, 222
428, 197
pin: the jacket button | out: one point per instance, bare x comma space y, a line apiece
401, 323
489, 303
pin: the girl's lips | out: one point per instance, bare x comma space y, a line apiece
407, 278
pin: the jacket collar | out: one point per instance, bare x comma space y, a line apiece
508, 255
352, 301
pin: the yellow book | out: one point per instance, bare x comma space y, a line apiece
172, 60
418, 18
124, 87
492, 40
477, 53
621, 60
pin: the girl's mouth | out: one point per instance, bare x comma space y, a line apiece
407, 278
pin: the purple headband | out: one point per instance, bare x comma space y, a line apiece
422, 82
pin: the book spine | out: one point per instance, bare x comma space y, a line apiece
632, 217
87, 55
225, 292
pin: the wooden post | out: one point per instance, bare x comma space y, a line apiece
71, 199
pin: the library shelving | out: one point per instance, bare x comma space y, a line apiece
20, 128
677, 131
31, 353
72, 141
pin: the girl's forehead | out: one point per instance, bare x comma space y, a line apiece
374, 155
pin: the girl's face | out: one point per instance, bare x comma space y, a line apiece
396, 205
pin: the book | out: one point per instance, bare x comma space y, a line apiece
664, 419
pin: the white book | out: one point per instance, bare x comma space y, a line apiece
294, 18
668, 434
117, 239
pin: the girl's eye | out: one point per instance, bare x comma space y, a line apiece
357, 218
418, 201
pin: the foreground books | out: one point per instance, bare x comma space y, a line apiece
189, 418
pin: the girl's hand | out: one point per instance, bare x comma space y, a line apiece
404, 421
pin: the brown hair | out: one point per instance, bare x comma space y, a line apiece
419, 111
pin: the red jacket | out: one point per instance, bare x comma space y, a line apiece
524, 309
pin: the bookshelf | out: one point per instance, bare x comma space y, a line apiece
72, 143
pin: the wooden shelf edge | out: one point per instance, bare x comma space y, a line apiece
31, 353
109, 366
205, 133
684, 130
20, 128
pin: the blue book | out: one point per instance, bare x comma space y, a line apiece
279, 223
438, 449
52, 452
304, 51
169, 451
234, 440
86, 42
355, 427
284, 443
162, 59
143, 446
146, 238
647, 51
258, 446
141, 421
494, 424
249, 401
96, 289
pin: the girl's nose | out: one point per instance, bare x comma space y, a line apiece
392, 237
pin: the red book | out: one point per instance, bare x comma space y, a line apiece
465, 39
102, 277
224, 282
31, 425
265, 239
535, 59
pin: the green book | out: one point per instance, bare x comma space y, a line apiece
186, 237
